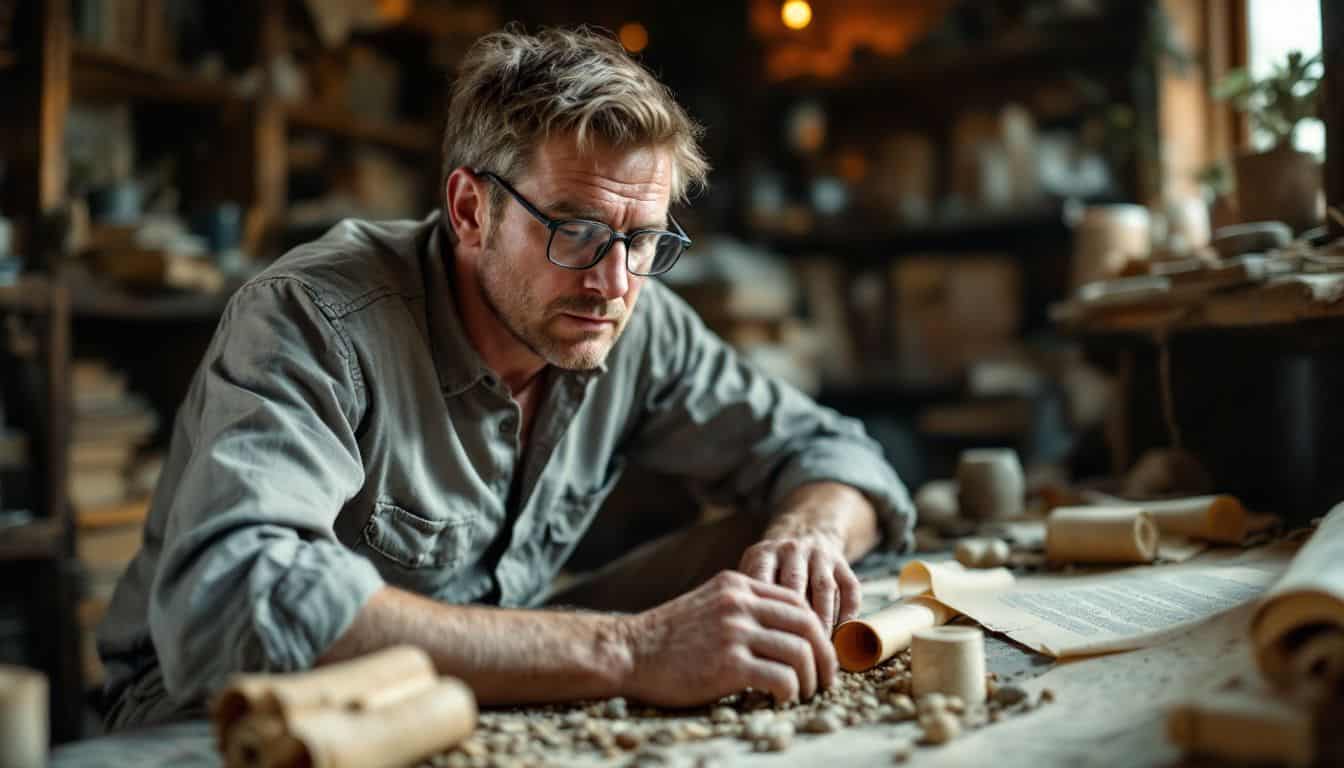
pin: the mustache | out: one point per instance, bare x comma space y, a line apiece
579, 305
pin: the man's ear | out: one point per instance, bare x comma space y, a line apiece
468, 206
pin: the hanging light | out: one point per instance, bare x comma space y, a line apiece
796, 14
633, 36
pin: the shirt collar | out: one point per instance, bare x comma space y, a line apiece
459, 365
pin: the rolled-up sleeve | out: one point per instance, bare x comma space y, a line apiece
253, 577
746, 438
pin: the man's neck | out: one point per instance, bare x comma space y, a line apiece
517, 365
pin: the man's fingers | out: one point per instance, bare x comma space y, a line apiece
789, 649
775, 677
798, 620
823, 589
793, 569
759, 564
851, 592
775, 592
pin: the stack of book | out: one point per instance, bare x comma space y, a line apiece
109, 485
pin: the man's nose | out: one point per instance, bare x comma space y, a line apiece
608, 277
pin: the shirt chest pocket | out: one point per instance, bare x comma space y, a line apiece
414, 542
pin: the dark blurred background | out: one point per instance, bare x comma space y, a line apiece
901, 191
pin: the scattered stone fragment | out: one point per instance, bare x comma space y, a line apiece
1009, 695
616, 708
904, 749
628, 740
1047, 696
854, 718
511, 726
473, 748
868, 700
940, 727
576, 719
723, 715
780, 736
931, 702
696, 731
727, 729
822, 723
758, 725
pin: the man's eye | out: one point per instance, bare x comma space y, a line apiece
581, 233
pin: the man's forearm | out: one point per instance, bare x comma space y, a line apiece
506, 656
829, 509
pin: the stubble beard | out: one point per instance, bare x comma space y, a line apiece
520, 311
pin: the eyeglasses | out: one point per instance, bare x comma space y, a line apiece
581, 243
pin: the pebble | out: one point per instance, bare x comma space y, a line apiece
868, 700
616, 708
780, 736
576, 719
822, 723
696, 731
932, 702
1008, 695
904, 749
758, 725
628, 740
723, 715
940, 727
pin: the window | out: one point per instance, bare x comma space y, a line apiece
1276, 27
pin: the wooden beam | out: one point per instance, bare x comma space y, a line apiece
1332, 104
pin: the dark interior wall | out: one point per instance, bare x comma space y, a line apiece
704, 53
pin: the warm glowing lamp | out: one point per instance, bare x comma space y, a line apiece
633, 36
796, 14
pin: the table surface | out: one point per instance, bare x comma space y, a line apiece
1108, 711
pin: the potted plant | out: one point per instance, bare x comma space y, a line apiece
1283, 183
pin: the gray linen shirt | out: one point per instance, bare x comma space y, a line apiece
341, 433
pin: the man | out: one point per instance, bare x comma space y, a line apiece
401, 430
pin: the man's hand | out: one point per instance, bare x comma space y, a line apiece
807, 549
813, 567
729, 634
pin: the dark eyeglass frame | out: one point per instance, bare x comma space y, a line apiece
553, 225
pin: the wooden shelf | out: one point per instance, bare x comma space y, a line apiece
1053, 48
404, 136
862, 243
33, 540
98, 73
31, 294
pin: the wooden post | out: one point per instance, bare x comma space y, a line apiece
1332, 104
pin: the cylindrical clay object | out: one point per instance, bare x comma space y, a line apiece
864, 643
950, 661
1100, 535
990, 484
982, 552
1211, 518
23, 718
936, 502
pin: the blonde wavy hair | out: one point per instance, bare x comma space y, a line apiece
515, 90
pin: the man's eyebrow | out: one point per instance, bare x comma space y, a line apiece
567, 210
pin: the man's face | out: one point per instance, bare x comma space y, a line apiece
571, 318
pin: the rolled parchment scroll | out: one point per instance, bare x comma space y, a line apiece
1298, 630
385, 709
1210, 518
1100, 535
868, 641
